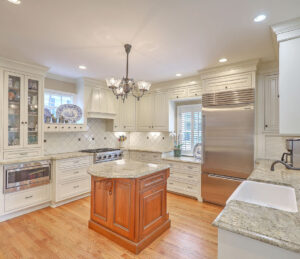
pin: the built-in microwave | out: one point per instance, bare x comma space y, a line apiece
26, 175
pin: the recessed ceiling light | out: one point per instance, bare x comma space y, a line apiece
15, 1
178, 74
223, 60
82, 67
260, 18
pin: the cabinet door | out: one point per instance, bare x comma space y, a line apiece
13, 110
271, 104
98, 102
145, 109
127, 114
152, 209
101, 199
123, 205
161, 112
33, 111
112, 102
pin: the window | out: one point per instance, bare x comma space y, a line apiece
189, 127
53, 99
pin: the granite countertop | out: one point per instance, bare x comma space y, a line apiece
185, 159
154, 150
124, 169
45, 157
272, 226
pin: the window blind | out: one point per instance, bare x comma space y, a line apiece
189, 127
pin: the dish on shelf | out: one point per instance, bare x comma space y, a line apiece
47, 113
70, 112
12, 95
197, 151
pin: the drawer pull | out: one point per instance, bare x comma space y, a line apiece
77, 172
23, 154
170, 183
76, 186
190, 167
190, 176
28, 197
189, 187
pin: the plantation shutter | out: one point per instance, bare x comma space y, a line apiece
189, 127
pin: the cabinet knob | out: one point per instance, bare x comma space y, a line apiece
266, 126
56, 127
25, 122
196, 94
226, 87
177, 97
22, 122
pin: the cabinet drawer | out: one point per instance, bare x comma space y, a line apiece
27, 198
152, 180
72, 174
189, 178
177, 93
189, 168
183, 187
74, 188
77, 162
21, 154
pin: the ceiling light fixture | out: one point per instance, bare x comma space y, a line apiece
82, 67
178, 74
223, 60
122, 87
260, 18
14, 1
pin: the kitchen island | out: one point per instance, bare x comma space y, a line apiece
129, 202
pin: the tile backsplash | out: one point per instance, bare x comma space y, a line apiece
98, 137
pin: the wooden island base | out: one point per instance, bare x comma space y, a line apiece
130, 212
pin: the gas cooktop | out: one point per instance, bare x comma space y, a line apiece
105, 154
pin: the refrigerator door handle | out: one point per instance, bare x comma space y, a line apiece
203, 138
225, 177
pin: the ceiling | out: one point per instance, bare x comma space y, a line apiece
168, 36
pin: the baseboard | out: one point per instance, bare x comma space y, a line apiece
57, 204
199, 198
23, 211
126, 243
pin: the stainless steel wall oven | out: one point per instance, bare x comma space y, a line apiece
26, 175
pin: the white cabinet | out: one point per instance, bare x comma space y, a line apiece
153, 113
53, 127
147, 157
271, 104
194, 91
185, 178
127, 114
177, 93
227, 83
70, 179
23, 102
1, 191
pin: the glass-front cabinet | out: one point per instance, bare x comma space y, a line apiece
22, 111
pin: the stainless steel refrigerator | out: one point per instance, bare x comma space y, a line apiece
228, 142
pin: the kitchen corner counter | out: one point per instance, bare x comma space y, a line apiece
272, 226
124, 169
184, 159
69, 155
148, 150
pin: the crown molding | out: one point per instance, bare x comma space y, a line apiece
267, 68
61, 78
11, 64
230, 69
91, 82
287, 30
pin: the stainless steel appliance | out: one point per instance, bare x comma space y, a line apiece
228, 142
105, 154
26, 175
290, 159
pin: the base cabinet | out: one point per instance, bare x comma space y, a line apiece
131, 212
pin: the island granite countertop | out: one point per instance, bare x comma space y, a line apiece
125, 169
272, 226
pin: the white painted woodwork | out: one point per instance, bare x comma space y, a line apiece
145, 113
23, 144
177, 93
56, 127
271, 104
24, 199
1, 192
232, 245
22, 153
70, 179
289, 87
127, 114
1, 113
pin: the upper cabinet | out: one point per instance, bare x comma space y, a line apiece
153, 113
288, 36
23, 111
22, 94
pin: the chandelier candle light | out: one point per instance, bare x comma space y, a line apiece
122, 87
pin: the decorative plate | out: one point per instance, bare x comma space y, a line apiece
47, 113
70, 112
197, 151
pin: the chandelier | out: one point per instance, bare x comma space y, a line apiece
122, 87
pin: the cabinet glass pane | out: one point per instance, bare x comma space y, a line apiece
33, 111
14, 110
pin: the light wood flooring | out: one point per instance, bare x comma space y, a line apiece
63, 233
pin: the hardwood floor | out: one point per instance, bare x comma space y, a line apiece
63, 233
